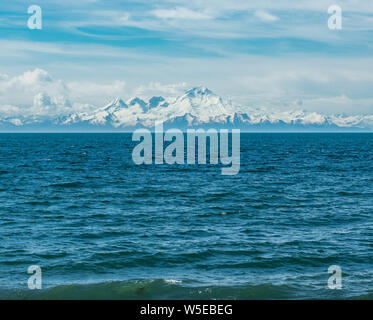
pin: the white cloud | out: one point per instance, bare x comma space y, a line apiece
3, 76
21, 89
156, 88
9, 110
265, 16
92, 91
34, 77
36, 92
180, 13
361, 6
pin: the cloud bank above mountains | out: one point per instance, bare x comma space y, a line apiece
37, 93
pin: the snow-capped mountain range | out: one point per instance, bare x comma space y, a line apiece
197, 107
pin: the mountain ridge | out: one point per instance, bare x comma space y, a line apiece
197, 107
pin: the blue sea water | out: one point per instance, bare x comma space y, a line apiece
100, 226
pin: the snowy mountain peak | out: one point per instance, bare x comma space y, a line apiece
197, 107
200, 97
116, 104
198, 91
157, 101
138, 101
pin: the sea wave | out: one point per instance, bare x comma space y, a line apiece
164, 289
151, 289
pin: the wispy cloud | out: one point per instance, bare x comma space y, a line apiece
266, 16
180, 13
157, 88
35, 91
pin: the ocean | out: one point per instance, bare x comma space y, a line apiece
101, 227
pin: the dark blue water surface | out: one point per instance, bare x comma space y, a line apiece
100, 226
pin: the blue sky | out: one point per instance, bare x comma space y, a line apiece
277, 54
